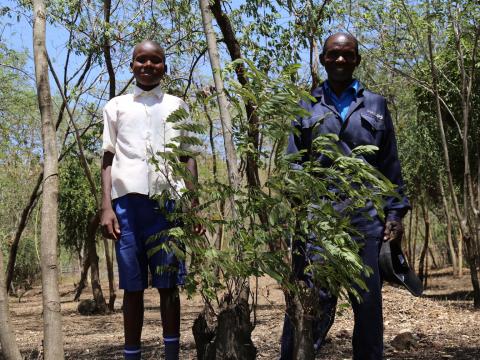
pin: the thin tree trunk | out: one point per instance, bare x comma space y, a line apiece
414, 252
409, 242
451, 250
227, 128
111, 279
12, 256
220, 231
82, 284
472, 264
94, 269
425, 275
233, 333
424, 255
460, 254
314, 56
52, 317
233, 47
432, 255
7, 337
107, 4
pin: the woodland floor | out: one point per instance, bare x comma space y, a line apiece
443, 322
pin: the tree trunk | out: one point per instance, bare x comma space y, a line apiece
414, 255
7, 337
451, 249
314, 56
82, 284
301, 319
204, 329
233, 340
233, 334
460, 254
94, 269
409, 237
52, 317
432, 255
227, 338
233, 47
227, 128
218, 239
12, 256
424, 254
111, 280
472, 263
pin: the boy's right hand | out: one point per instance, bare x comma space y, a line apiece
109, 224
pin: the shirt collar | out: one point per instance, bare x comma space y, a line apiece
352, 88
157, 91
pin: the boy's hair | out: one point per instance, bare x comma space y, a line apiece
347, 35
151, 42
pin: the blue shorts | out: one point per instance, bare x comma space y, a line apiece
140, 218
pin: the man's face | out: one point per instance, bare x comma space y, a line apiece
340, 58
148, 65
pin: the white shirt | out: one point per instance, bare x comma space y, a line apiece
135, 129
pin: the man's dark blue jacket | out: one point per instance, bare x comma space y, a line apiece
367, 122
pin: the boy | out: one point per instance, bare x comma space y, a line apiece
135, 128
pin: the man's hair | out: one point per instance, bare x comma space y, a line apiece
151, 42
347, 35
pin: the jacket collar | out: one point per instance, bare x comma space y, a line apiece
319, 92
319, 95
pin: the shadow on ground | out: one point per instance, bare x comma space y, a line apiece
452, 296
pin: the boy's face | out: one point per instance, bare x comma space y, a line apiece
148, 65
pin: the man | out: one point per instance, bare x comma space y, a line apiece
358, 117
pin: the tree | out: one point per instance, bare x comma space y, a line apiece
7, 337
53, 334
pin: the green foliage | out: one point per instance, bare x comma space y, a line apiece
292, 204
27, 266
76, 203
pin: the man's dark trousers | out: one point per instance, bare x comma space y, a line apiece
367, 337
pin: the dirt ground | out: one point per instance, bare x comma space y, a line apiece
443, 323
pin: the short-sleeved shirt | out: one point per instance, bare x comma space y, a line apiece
135, 129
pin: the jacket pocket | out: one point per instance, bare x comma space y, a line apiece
373, 122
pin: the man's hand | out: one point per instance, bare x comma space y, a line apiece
109, 224
393, 231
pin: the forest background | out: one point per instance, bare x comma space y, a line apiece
421, 55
